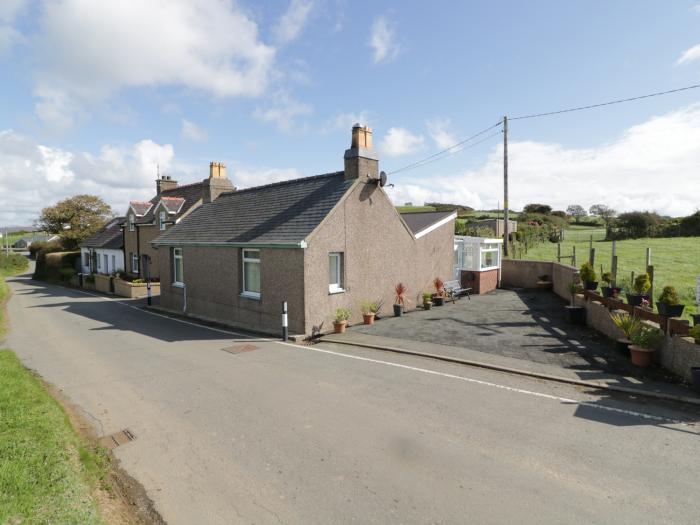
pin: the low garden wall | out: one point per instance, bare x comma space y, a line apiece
525, 274
134, 290
103, 283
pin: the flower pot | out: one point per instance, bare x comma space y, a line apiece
696, 318
575, 315
616, 292
670, 310
591, 285
695, 378
636, 299
607, 291
623, 346
398, 310
368, 318
427, 305
642, 357
438, 301
339, 326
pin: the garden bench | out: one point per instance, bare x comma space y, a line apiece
454, 289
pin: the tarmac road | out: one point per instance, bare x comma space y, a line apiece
325, 434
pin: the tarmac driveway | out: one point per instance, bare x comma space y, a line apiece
516, 324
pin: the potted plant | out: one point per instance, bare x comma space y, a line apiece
427, 300
439, 295
369, 310
341, 320
669, 303
399, 302
641, 349
641, 286
588, 276
608, 289
628, 325
575, 314
543, 282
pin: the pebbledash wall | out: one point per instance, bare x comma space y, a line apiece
677, 354
379, 251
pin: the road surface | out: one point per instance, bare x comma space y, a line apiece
292, 434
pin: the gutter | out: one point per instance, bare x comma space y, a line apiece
301, 244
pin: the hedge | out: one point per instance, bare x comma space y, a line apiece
13, 263
56, 266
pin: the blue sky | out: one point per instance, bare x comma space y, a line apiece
92, 99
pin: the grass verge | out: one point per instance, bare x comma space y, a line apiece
47, 474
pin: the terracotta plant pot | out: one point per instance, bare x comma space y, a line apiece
368, 318
427, 305
339, 326
641, 356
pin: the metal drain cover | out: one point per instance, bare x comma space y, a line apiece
240, 349
118, 438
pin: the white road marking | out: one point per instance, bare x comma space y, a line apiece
632, 413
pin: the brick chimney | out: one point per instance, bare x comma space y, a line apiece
165, 182
217, 183
360, 159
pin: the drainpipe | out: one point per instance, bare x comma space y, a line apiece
138, 248
184, 298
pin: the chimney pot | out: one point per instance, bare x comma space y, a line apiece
360, 159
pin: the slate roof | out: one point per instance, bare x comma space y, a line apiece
419, 221
280, 213
172, 204
190, 193
110, 237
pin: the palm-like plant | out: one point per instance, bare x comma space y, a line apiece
400, 290
628, 324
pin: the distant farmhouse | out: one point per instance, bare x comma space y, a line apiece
23, 243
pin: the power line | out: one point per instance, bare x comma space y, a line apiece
619, 101
433, 157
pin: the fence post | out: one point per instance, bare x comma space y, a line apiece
591, 257
558, 252
590, 249
614, 271
650, 270
573, 256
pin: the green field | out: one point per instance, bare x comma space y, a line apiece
676, 260
414, 209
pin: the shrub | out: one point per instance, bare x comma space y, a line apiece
439, 285
646, 336
138, 281
369, 307
628, 324
427, 297
45, 247
587, 272
66, 274
342, 314
642, 283
49, 265
669, 295
695, 333
607, 277
13, 262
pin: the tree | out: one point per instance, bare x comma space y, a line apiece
690, 225
577, 212
606, 214
538, 208
75, 218
638, 223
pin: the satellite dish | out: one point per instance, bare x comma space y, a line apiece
382, 179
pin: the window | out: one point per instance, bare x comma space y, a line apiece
335, 272
161, 220
134, 263
177, 266
489, 256
98, 262
251, 273
132, 223
106, 268
114, 263
86, 259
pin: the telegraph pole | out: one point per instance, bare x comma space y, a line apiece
505, 186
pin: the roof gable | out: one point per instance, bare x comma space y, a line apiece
422, 223
282, 213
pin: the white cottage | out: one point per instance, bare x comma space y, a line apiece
104, 251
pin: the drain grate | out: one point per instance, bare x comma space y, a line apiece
240, 349
117, 439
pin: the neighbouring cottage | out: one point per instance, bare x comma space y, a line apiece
319, 243
103, 252
24, 243
146, 220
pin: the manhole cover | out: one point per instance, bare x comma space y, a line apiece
118, 438
240, 349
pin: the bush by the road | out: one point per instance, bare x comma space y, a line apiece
56, 266
12, 263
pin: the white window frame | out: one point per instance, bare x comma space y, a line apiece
177, 255
105, 257
496, 250
132, 222
134, 263
247, 257
339, 263
86, 261
161, 221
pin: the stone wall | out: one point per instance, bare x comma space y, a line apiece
525, 274
134, 290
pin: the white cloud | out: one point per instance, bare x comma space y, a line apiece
689, 55
292, 21
33, 176
245, 176
383, 40
86, 54
9, 11
283, 111
400, 141
344, 121
192, 131
440, 131
651, 166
